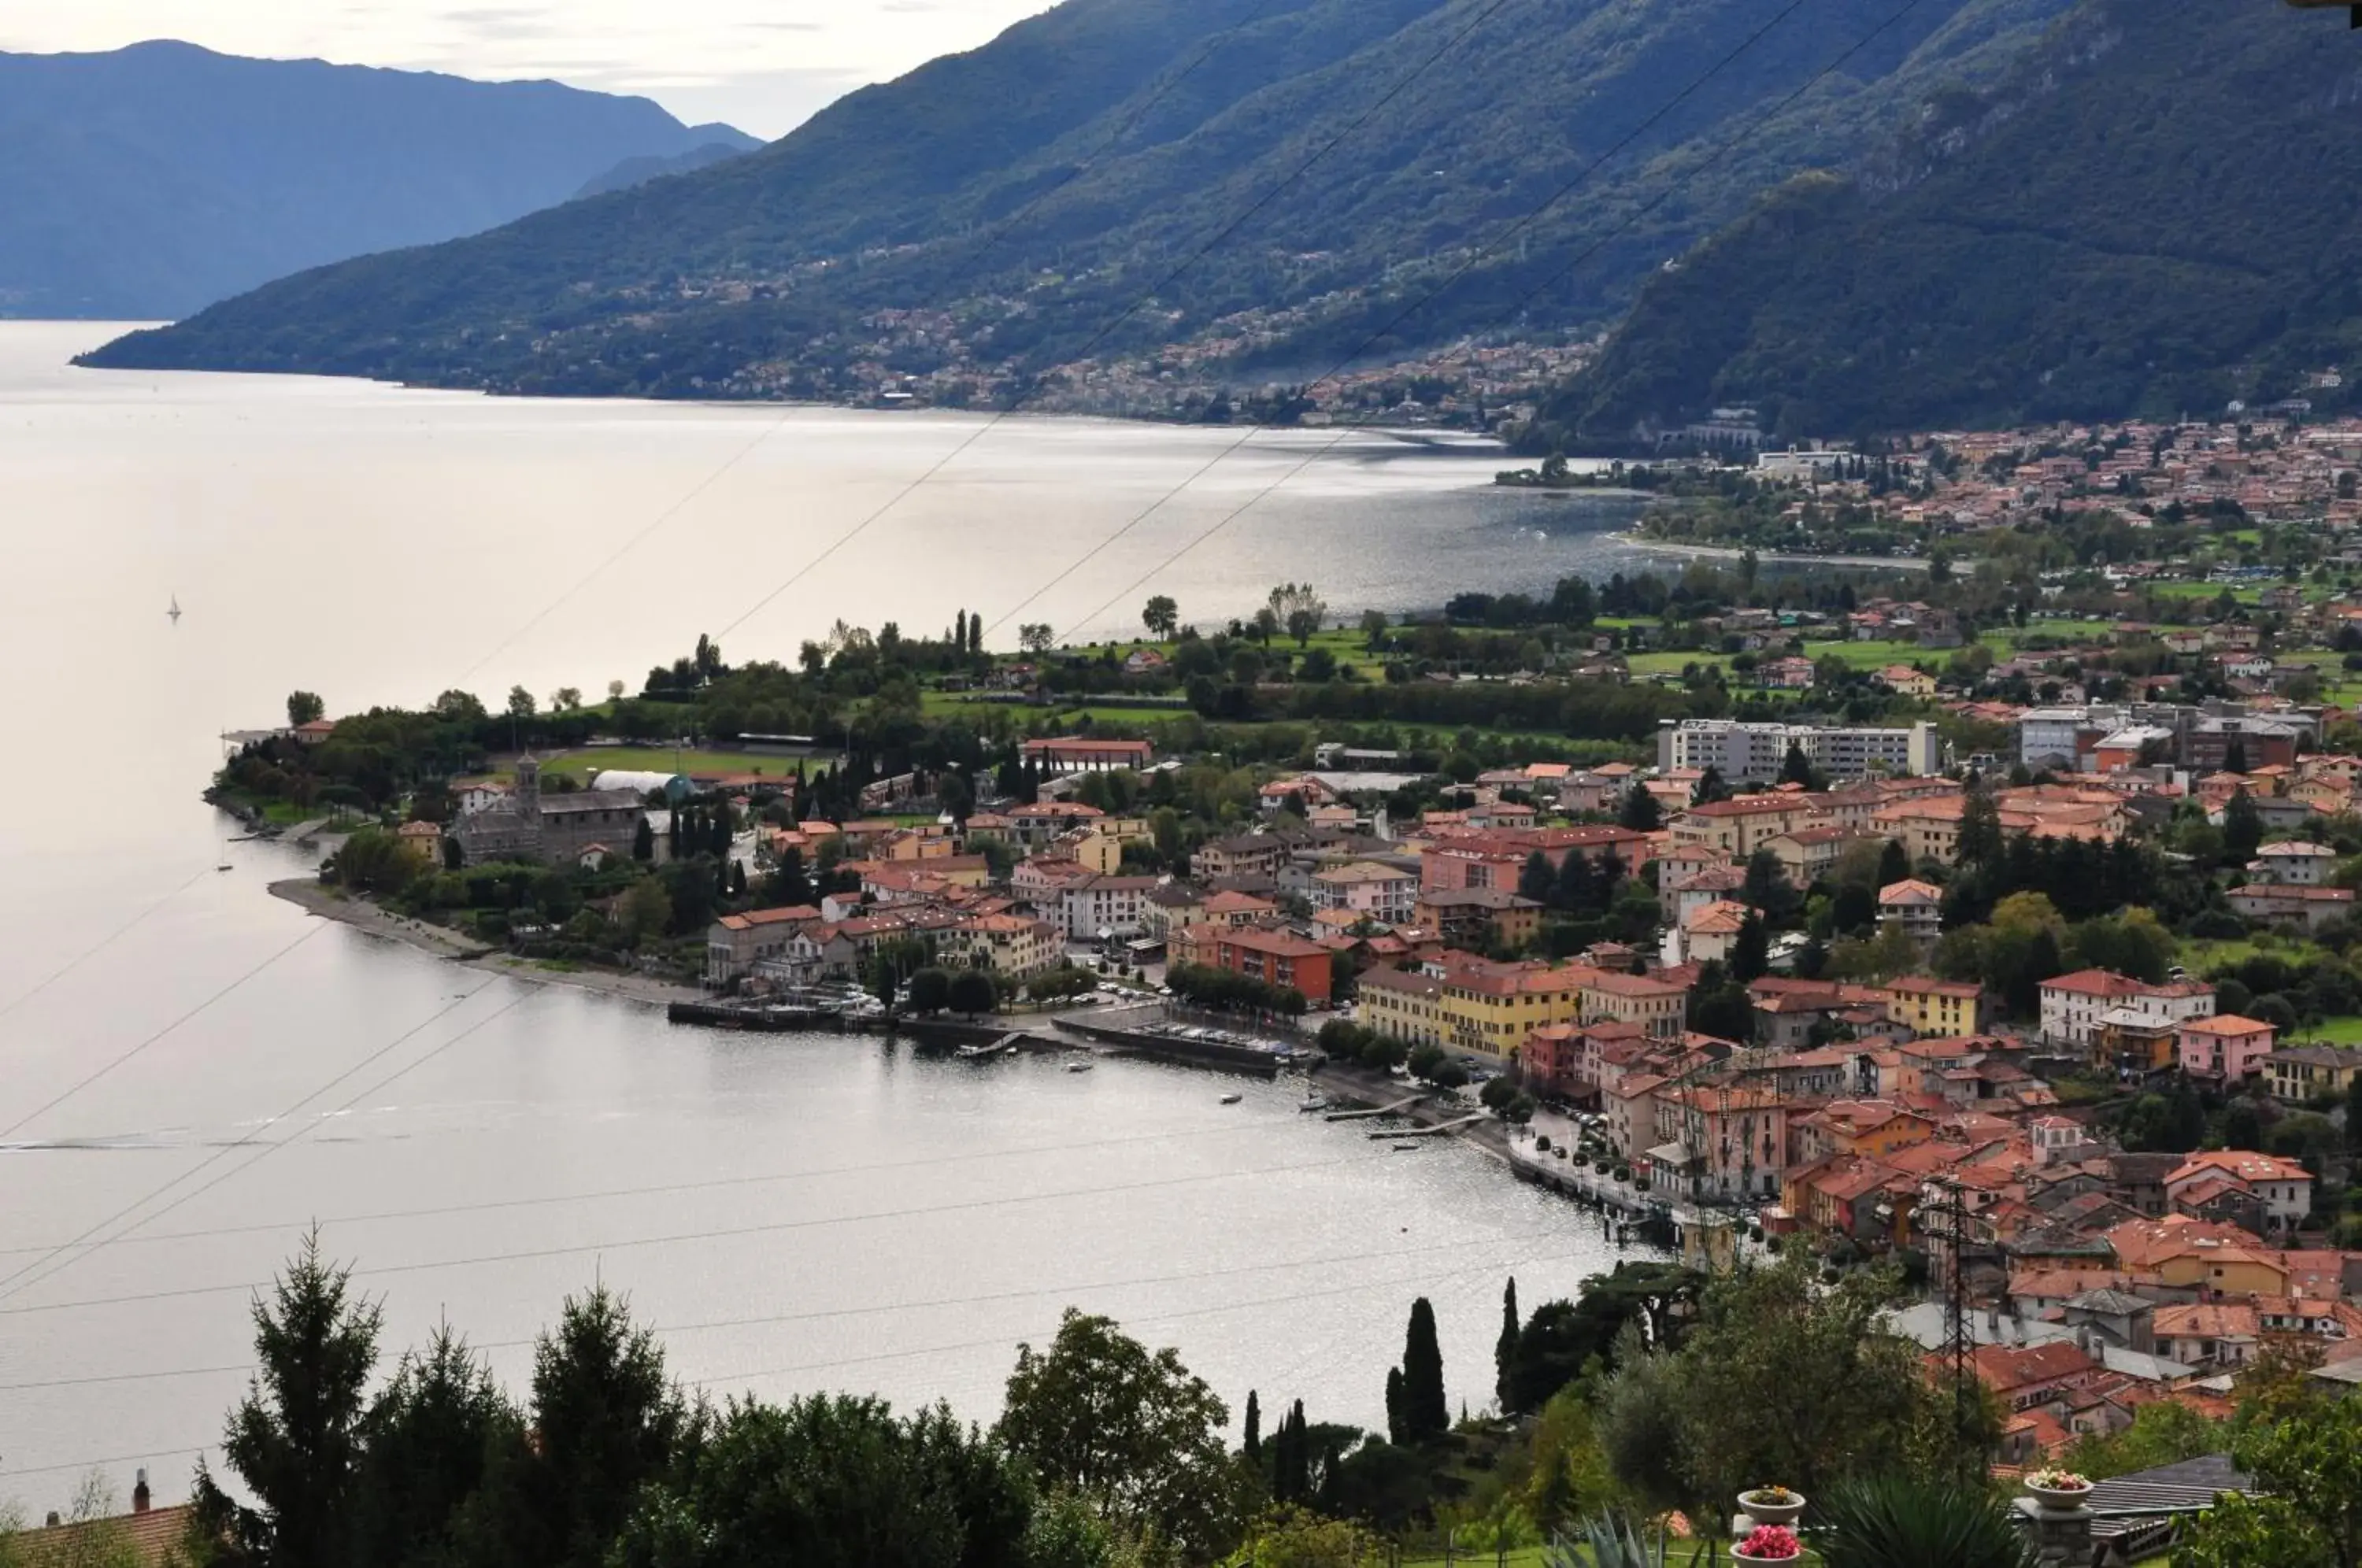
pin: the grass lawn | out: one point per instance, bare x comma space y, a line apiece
582, 765
2207, 958
2330, 1031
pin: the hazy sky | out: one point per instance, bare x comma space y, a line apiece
764, 65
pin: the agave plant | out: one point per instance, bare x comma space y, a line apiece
1610, 1543
1879, 1521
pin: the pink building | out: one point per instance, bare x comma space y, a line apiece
2226, 1046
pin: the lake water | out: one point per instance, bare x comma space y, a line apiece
191, 1072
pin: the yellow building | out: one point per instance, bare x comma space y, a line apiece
1466, 1004
2298, 1073
1941, 1008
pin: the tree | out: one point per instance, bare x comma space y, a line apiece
521, 704
615, 692
834, 1481
1135, 1434
566, 699
1252, 1445
972, 993
2308, 1470
644, 842
1640, 813
1296, 607
1293, 1536
430, 1439
303, 708
1396, 1432
2235, 755
1426, 1415
1797, 767
1373, 630
1710, 786
930, 991
606, 1421
1504, 1349
1161, 616
294, 1440
1750, 951
1036, 636
2242, 827
1893, 864
1537, 880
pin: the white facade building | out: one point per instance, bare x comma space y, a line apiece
1744, 751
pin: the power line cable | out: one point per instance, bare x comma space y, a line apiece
9, 1283
871, 1359
1227, 1127
93, 1076
822, 1314
62, 970
1113, 325
737, 1232
772, 427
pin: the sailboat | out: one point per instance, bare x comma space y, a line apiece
173, 614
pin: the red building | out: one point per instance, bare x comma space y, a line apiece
1276, 957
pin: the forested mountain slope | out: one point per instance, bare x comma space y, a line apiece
2160, 211
1339, 156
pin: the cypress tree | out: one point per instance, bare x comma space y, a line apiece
1893, 864
1504, 1349
1394, 1431
1425, 1413
1299, 1455
1254, 1447
959, 633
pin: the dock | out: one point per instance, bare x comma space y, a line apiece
1370, 1113
1441, 1128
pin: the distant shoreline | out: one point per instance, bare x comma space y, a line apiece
1726, 552
437, 942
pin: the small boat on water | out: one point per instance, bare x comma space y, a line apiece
1232, 1098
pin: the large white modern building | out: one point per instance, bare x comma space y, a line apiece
1742, 752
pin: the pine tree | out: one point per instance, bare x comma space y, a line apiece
296, 1440
1504, 1349
1254, 1445
1426, 1415
607, 1419
430, 1440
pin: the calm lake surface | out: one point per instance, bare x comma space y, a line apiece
191, 1072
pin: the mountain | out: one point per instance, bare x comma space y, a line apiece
1285, 176
151, 181
2159, 210
727, 143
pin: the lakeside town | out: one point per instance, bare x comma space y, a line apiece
1982, 926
